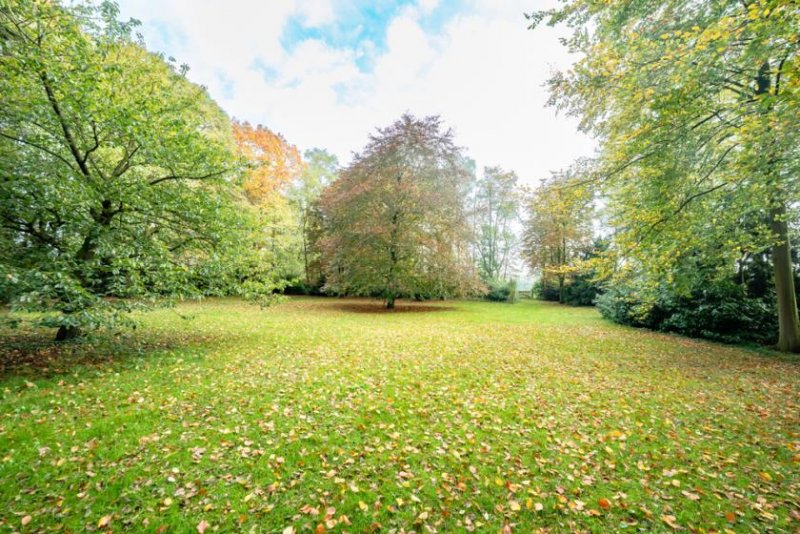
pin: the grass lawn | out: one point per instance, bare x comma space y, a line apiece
328, 415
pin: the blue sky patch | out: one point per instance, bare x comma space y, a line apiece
361, 27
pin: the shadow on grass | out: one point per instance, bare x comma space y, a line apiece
376, 307
34, 354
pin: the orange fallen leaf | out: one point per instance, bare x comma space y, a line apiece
604, 503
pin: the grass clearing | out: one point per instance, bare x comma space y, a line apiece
476, 416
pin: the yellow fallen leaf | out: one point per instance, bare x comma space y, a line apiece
104, 521
514, 505
766, 477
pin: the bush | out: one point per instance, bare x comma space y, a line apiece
578, 292
720, 310
582, 291
622, 305
502, 291
544, 291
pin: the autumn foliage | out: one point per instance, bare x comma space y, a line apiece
274, 163
395, 218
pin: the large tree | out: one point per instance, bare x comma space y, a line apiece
115, 168
494, 210
697, 107
395, 218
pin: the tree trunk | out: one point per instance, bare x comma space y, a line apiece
788, 323
390, 301
65, 333
305, 249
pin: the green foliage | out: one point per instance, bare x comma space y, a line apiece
320, 170
720, 311
502, 291
581, 291
696, 106
117, 171
546, 290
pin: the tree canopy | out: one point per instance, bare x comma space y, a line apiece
558, 230
115, 167
696, 107
395, 217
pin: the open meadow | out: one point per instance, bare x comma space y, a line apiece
321, 415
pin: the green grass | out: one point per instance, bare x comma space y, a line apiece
475, 417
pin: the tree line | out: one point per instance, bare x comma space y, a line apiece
125, 186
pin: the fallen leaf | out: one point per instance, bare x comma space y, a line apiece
202, 526
604, 503
670, 521
104, 521
27, 519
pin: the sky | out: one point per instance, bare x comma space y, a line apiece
327, 73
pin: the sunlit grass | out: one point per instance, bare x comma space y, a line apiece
317, 412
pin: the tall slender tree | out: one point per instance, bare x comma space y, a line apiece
320, 169
494, 209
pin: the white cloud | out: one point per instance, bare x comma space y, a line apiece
483, 72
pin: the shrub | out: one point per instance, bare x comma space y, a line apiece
582, 291
502, 291
544, 291
717, 310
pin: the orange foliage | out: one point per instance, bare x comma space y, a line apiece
274, 161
